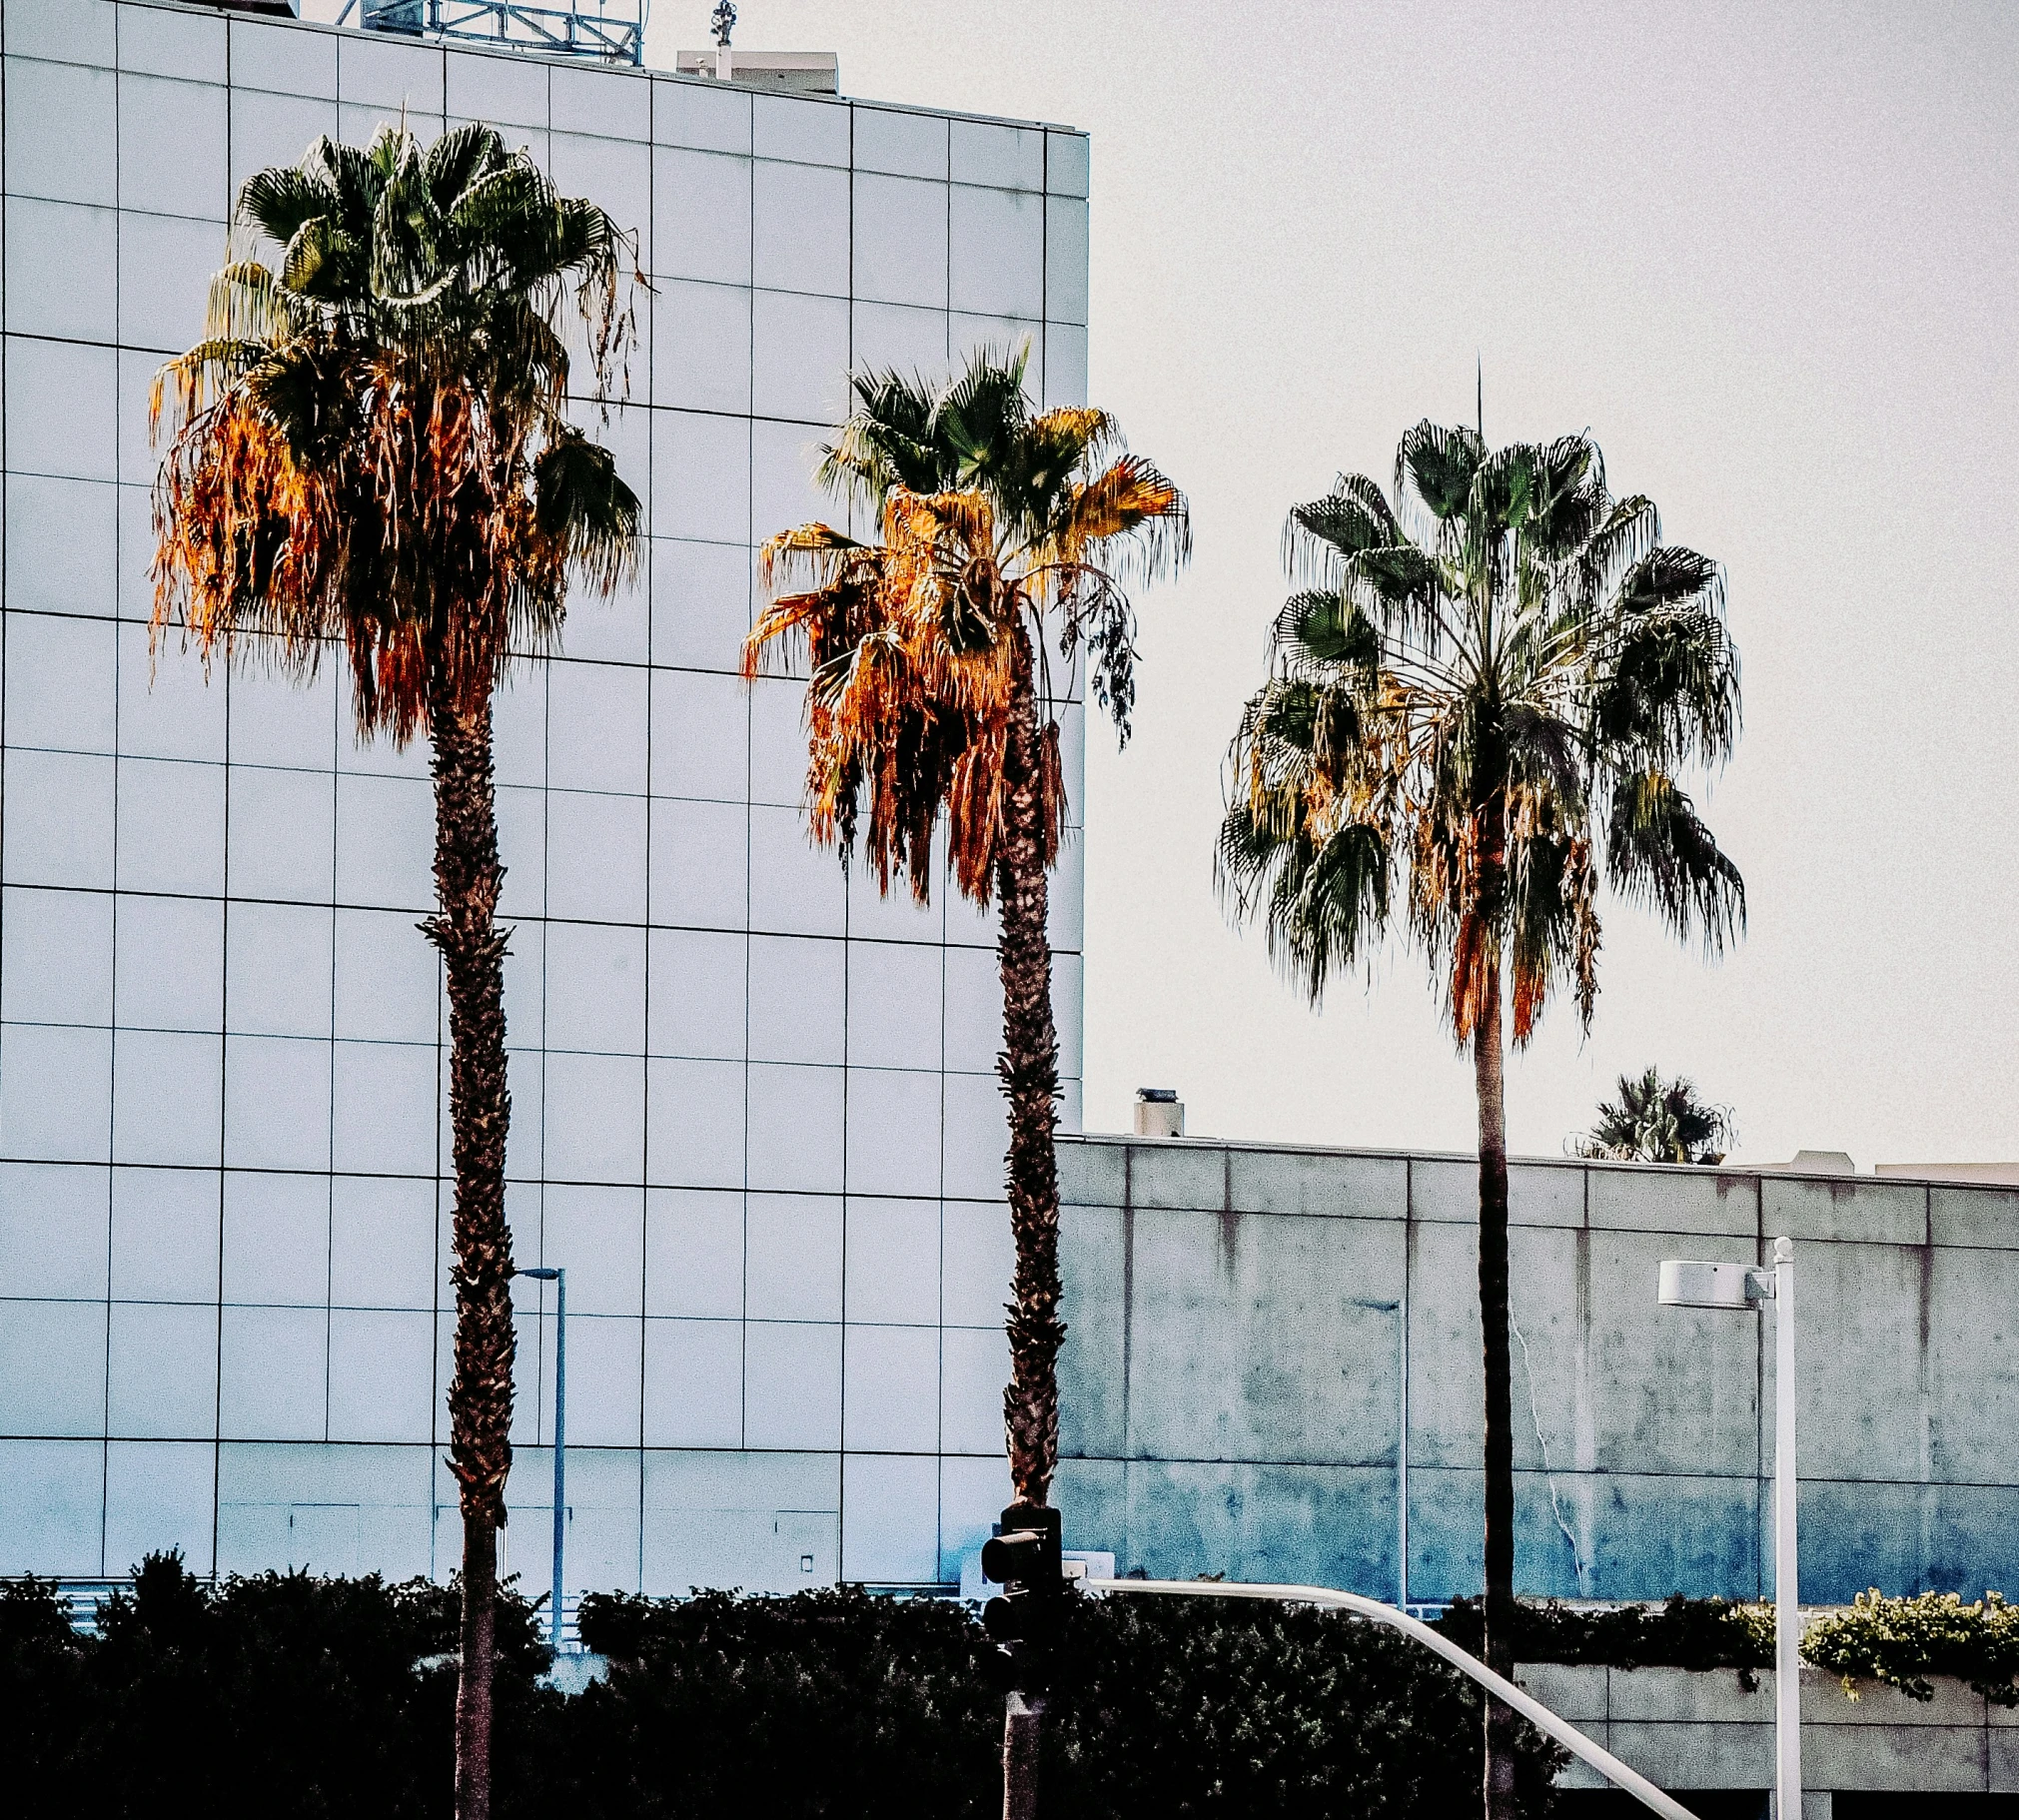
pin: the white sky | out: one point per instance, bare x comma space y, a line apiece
1766, 254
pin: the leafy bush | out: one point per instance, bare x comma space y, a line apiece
1903, 1641
42, 1694
829, 1702
282, 1694
1196, 1707
1682, 1633
1160, 1707
277, 1693
1900, 1641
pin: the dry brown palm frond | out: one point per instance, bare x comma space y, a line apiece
1128, 495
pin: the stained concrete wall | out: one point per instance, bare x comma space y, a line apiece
1686, 1731
1232, 1376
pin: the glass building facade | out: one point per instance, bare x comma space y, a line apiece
754, 1113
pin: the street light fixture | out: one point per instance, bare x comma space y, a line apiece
558, 1277
1686, 1285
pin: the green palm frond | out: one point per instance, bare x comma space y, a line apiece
1353, 517
1660, 852
1437, 465
1658, 1121
279, 201
1500, 699
888, 442
582, 503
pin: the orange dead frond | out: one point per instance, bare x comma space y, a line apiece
1093, 431
1129, 496
1531, 989
806, 553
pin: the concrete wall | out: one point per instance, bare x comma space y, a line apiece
1233, 1393
1688, 1731
754, 1108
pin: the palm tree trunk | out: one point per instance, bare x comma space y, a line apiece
463, 928
1029, 1067
1489, 1073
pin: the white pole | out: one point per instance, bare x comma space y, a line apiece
1786, 1562
1402, 1453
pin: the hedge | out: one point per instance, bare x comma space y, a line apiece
1903, 1641
282, 1694
1681, 1633
1898, 1642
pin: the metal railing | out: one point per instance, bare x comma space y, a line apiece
1621, 1776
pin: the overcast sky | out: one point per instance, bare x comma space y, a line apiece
1766, 254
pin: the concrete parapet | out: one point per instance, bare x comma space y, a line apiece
1698, 1729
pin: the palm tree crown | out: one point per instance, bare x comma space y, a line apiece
1658, 1121
1001, 531
1489, 687
371, 444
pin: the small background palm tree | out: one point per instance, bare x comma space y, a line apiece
1000, 534
1658, 1121
1480, 701
371, 457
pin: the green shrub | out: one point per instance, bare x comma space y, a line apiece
1900, 1641
43, 1700
1175, 1706
1161, 1707
1681, 1633
278, 1694
286, 1695
1903, 1641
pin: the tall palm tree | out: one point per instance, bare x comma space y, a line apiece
1001, 533
1658, 1121
1481, 695
371, 453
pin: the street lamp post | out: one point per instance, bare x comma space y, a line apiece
1399, 1310
1687, 1285
558, 1277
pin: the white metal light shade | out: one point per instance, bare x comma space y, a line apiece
1688, 1283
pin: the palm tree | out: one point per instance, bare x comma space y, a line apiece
1658, 1121
1482, 694
371, 453
1001, 533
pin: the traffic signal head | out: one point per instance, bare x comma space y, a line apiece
1025, 1560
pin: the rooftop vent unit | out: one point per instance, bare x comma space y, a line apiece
797, 71
607, 31
1158, 1112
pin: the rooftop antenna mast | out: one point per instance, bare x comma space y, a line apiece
1481, 371
724, 22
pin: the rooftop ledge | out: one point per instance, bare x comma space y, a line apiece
1995, 1178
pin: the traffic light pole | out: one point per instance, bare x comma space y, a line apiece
1025, 1557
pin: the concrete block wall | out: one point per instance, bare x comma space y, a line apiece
1232, 1388
1688, 1731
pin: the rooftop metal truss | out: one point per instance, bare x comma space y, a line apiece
611, 31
